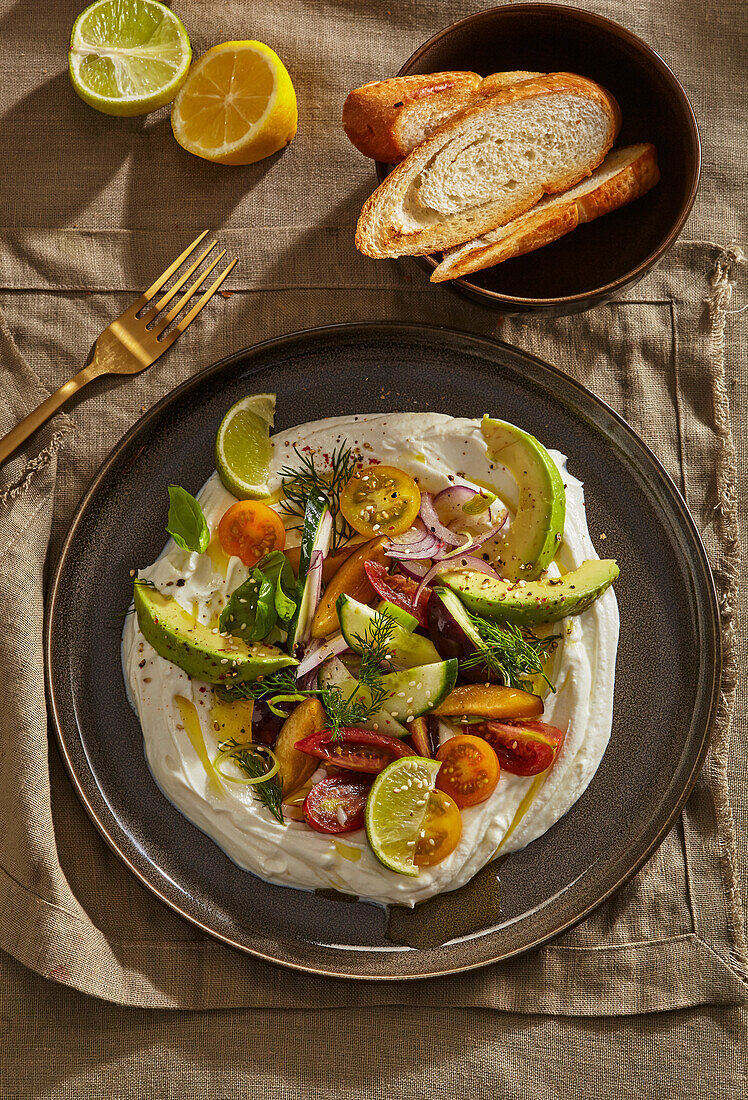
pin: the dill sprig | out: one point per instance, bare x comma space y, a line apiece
277, 683
361, 705
269, 793
510, 652
299, 484
364, 701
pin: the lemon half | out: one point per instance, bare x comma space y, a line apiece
237, 106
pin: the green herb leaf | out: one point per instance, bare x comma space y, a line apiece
278, 571
270, 793
186, 523
301, 483
277, 683
369, 695
250, 613
511, 653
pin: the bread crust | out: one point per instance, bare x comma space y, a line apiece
373, 114
540, 227
377, 237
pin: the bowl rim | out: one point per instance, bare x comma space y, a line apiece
634, 274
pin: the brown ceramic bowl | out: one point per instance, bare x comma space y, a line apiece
597, 260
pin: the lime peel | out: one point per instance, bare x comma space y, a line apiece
128, 57
396, 809
243, 449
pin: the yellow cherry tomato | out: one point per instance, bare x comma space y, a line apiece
441, 831
380, 500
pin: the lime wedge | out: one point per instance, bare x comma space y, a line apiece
128, 57
396, 808
243, 447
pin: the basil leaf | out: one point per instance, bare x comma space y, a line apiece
250, 613
265, 614
278, 571
186, 523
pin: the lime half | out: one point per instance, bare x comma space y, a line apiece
396, 808
243, 447
128, 57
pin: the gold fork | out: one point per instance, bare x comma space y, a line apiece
128, 345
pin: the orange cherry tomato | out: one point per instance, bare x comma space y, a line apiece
441, 832
470, 769
380, 500
250, 530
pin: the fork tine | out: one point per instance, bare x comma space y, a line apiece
190, 317
162, 302
154, 287
166, 321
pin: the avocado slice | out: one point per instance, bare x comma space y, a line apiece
527, 603
203, 655
538, 526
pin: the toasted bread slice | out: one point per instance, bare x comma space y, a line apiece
489, 164
386, 119
624, 175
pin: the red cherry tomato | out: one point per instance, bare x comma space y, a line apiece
469, 771
355, 749
399, 590
337, 804
250, 530
523, 748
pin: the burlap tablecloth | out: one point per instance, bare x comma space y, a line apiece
94, 208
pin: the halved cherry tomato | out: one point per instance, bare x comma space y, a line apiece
399, 590
250, 530
490, 701
523, 748
470, 769
355, 749
441, 830
337, 804
380, 500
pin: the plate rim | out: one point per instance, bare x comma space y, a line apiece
413, 328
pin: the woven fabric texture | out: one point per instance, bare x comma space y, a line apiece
93, 209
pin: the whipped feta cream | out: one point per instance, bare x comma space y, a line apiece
438, 451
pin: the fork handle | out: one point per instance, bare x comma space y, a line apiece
10, 442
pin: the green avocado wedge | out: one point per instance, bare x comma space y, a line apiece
527, 603
538, 526
203, 655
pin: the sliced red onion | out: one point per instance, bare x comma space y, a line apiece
307, 682
414, 569
319, 652
416, 542
415, 533
471, 546
457, 562
434, 524
453, 500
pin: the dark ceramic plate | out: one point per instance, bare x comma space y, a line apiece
599, 259
663, 710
